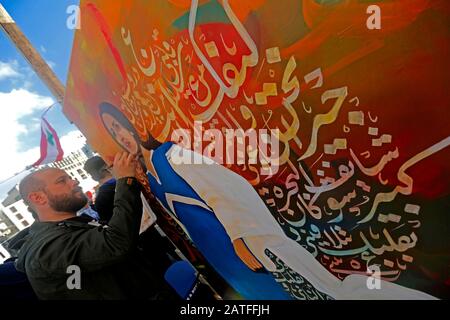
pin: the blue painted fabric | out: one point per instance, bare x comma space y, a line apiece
209, 235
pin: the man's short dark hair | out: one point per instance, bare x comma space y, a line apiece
96, 167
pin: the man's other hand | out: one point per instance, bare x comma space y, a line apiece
124, 165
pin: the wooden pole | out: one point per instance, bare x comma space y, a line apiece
36, 61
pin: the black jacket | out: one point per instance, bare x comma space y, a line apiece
104, 200
112, 267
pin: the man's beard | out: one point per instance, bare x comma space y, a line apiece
67, 202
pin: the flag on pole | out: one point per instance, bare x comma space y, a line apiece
50, 146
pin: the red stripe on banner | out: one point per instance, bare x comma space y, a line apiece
58, 144
43, 147
104, 28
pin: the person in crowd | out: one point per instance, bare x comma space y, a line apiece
70, 257
150, 240
98, 169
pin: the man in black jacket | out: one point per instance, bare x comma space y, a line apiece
106, 257
104, 196
150, 241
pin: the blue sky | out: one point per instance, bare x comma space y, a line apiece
23, 97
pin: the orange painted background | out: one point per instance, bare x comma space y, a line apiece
364, 172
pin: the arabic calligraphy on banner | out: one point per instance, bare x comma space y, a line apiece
363, 133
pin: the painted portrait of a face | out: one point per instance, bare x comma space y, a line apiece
122, 135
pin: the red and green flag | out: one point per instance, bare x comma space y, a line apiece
51, 150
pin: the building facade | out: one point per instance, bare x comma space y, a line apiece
73, 165
7, 229
15, 210
4, 254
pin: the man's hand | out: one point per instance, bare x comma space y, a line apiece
246, 256
124, 165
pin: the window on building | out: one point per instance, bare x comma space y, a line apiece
19, 216
13, 209
83, 176
25, 223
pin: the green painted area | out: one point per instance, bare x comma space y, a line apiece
333, 2
207, 13
328, 2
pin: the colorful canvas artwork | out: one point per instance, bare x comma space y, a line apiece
330, 139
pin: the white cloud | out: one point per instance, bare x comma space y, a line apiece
14, 105
8, 70
70, 142
43, 49
28, 85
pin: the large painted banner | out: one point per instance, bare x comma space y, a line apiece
303, 145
